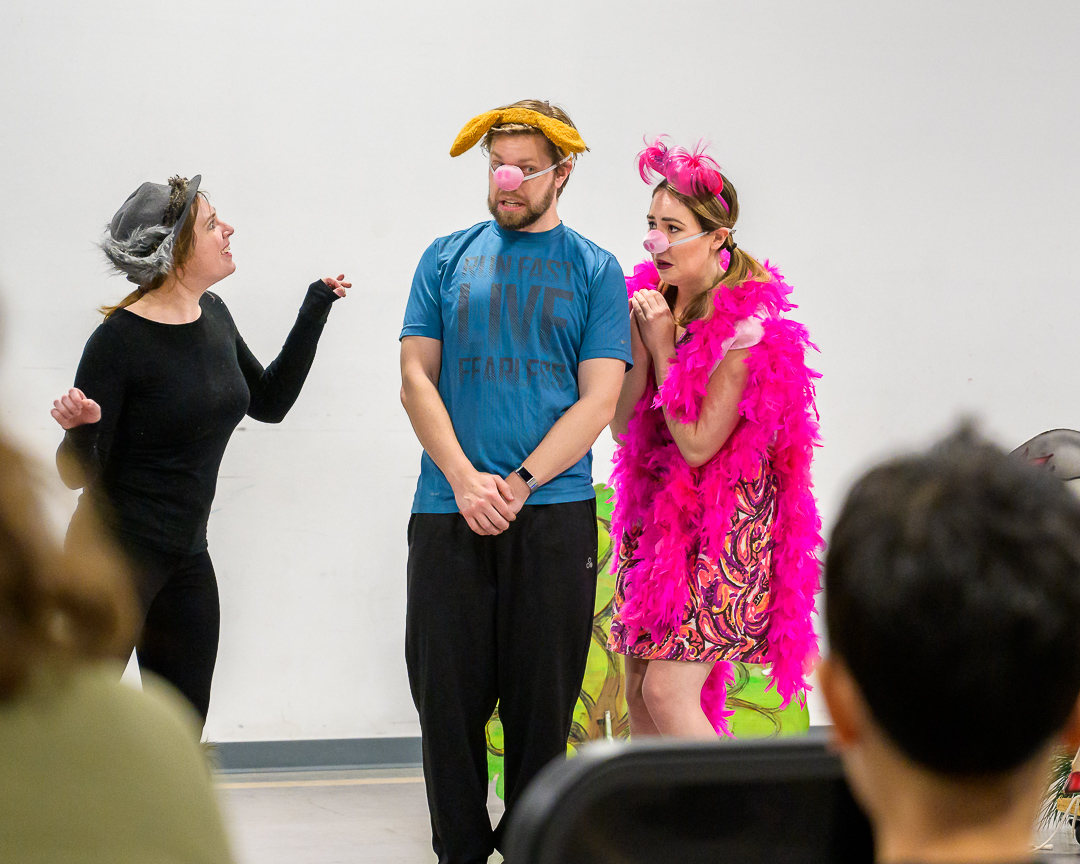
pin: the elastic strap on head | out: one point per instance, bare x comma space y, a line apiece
688, 239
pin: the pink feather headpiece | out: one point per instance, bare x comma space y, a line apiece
694, 174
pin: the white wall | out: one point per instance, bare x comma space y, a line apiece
911, 166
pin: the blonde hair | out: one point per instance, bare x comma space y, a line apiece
182, 249
711, 215
548, 110
58, 604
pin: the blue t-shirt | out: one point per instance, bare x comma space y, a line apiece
516, 312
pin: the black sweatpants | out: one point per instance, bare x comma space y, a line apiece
504, 618
181, 617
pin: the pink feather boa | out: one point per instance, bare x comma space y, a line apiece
677, 504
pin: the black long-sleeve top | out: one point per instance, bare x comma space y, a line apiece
171, 396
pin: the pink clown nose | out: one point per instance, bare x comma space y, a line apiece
655, 242
508, 177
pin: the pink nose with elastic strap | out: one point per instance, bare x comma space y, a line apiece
509, 177
656, 243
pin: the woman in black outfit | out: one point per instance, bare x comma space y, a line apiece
162, 383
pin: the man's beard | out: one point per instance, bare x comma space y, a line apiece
522, 218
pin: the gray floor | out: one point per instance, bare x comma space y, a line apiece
330, 817
1063, 852
361, 817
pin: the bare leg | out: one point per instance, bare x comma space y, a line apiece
641, 723
672, 693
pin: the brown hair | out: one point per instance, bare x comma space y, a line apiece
182, 249
54, 604
711, 215
556, 153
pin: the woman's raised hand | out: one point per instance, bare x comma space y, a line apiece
655, 322
339, 285
74, 409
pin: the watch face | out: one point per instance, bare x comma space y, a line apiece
524, 474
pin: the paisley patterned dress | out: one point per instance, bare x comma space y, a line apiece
726, 617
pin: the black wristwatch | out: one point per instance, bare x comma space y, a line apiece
527, 476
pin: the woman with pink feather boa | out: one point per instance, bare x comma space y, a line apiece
715, 522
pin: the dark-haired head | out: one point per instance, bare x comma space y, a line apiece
953, 600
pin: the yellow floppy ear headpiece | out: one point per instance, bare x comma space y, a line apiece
560, 134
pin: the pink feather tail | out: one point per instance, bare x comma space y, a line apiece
714, 697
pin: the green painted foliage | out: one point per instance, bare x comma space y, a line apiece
603, 697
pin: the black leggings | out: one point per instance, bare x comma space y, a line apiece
178, 601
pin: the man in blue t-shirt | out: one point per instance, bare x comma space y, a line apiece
516, 338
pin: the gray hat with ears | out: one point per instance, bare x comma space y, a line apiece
143, 232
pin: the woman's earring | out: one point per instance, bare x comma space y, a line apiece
725, 259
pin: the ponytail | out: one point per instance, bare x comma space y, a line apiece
134, 296
742, 267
